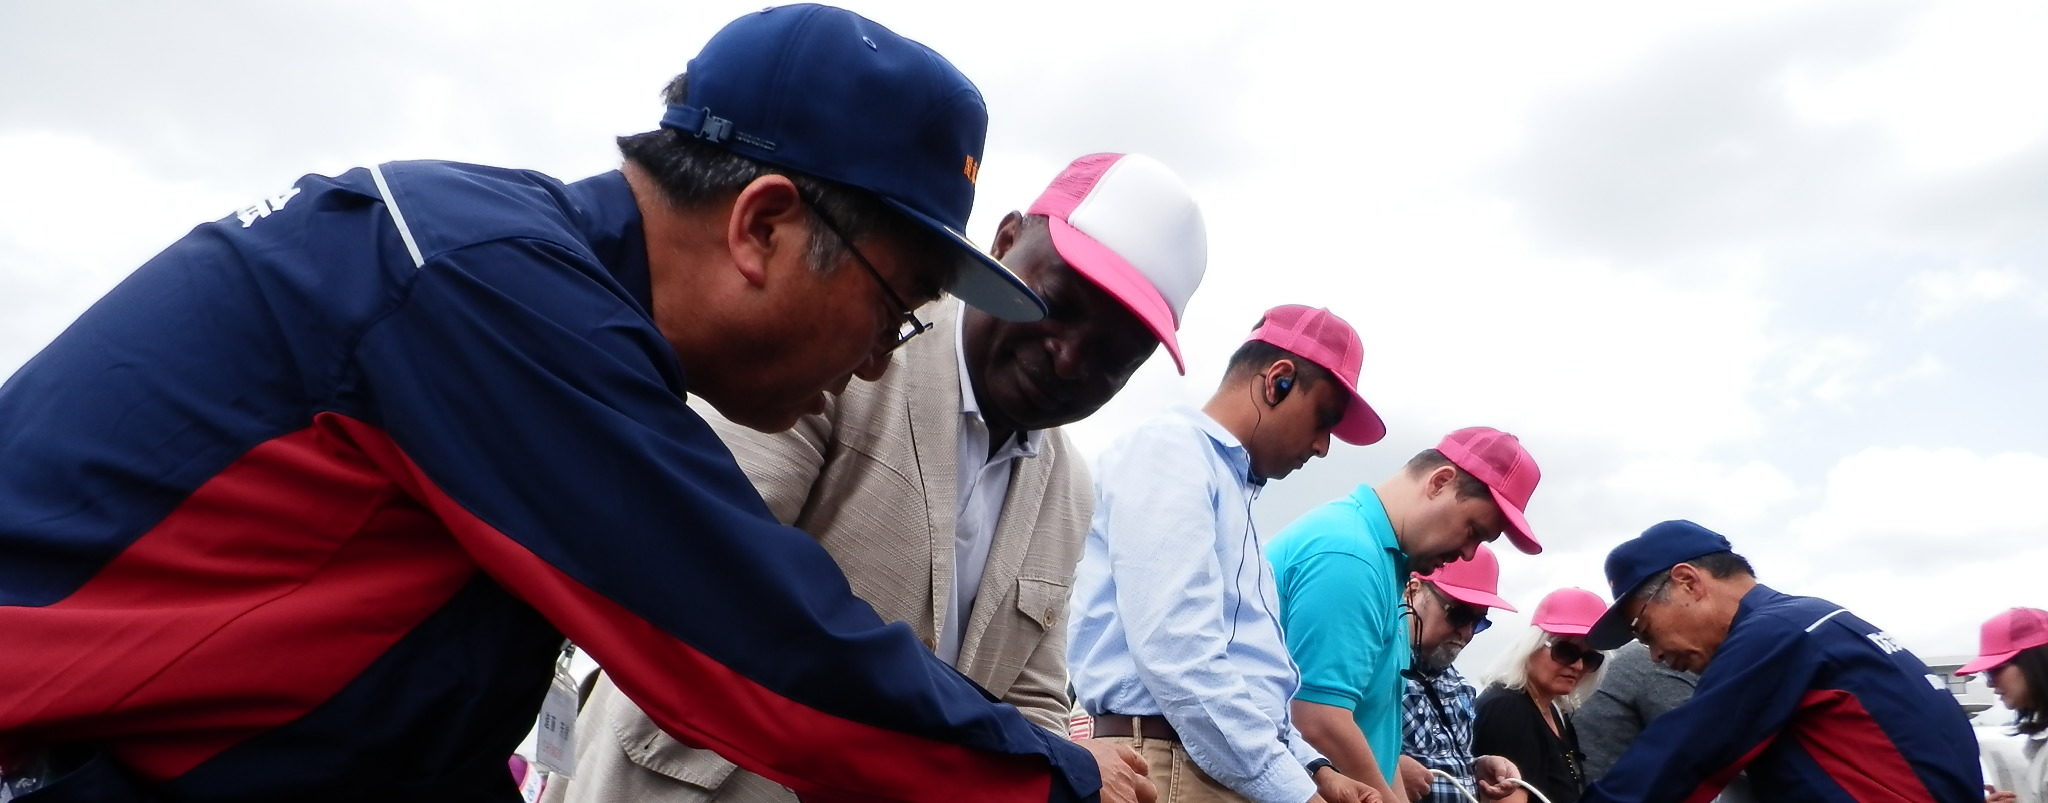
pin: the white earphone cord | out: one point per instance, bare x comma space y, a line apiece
1460, 786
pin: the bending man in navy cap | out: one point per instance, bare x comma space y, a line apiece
946, 489
1814, 702
304, 508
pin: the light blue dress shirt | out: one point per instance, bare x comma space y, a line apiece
1174, 610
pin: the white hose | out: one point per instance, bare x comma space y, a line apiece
1460, 786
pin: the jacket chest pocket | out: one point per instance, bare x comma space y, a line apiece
1042, 601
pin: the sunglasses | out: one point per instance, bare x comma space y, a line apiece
1566, 653
1458, 614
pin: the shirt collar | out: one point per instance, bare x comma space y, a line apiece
1233, 450
1025, 443
603, 208
1380, 527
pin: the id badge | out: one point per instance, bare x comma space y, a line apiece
530, 789
555, 740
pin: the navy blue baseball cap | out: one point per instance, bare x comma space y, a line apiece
829, 93
1645, 556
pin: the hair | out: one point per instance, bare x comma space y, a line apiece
694, 173
1255, 356
1429, 460
1510, 668
2032, 664
1716, 564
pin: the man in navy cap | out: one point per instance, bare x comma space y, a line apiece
947, 490
305, 507
1814, 702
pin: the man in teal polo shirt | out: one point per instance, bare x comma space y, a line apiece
1340, 569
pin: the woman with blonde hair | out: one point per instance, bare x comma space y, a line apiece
2013, 656
1524, 714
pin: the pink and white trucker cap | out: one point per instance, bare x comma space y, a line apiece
1509, 471
1127, 223
1319, 336
2005, 636
1473, 582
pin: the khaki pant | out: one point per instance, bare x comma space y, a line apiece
1174, 772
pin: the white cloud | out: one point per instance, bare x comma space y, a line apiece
82, 216
1941, 294
1736, 494
1926, 542
1953, 95
1929, 501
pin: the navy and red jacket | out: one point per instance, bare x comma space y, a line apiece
1816, 705
305, 506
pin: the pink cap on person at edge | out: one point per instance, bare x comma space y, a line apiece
1319, 336
1127, 223
1498, 459
1568, 612
2005, 635
1473, 582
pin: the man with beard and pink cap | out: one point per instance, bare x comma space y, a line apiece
1342, 566
1449, 608
1175, 642
945, 490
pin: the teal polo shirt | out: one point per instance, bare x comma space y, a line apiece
1340, 572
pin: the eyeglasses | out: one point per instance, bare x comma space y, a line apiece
1566, 653
910, 326
1649, 594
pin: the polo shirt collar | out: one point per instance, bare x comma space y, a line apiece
1380, 527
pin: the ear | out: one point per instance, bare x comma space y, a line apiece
767, 222
1690, 579
1279, 368
1008, 233
1439, 481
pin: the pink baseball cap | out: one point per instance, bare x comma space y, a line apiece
1473, 582
1319, 336
1498, 459
2005, 636
1127, 223
1568, 612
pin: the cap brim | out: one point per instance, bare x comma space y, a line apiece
1116, 276
1984, 662
1611, 629
1517, 531
1473, 596
980, 280
1360, 425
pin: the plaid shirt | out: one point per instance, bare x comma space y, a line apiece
1438, 731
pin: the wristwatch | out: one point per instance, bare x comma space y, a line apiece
1318, 764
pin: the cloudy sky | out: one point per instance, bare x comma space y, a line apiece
1777, 267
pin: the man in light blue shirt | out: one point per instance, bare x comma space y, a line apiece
1174, 642
1340, 570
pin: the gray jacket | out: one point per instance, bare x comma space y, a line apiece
1634, 691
